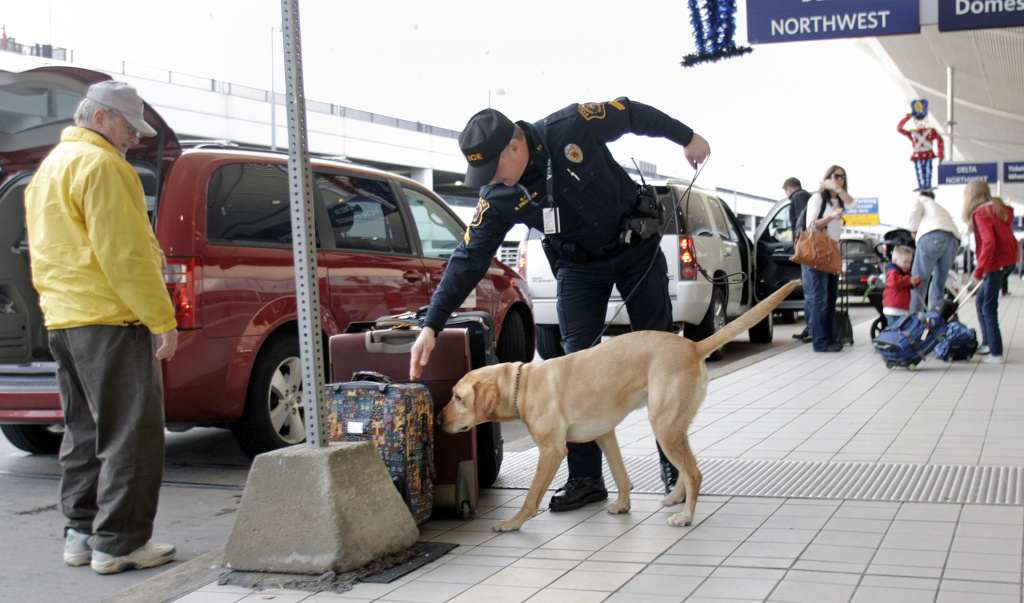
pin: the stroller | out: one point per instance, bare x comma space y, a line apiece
876, 284
909, 341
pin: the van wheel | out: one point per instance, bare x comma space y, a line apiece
762, 332
549, 342
274, 415
35, 439
511, 347
713, 322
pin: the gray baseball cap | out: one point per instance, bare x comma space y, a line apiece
124, 98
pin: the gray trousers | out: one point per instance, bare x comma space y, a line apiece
112, 456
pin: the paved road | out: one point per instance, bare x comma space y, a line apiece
204, 478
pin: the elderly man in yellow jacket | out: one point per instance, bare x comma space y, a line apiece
97, 267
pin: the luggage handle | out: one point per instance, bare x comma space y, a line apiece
397, 341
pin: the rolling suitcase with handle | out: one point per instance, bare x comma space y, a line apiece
398, 418
483, 352
456, 489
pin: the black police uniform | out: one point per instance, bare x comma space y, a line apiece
593, 195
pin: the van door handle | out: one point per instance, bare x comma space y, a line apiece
413, 276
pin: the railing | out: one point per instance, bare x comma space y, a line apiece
48, 51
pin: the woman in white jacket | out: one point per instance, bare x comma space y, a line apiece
938, 240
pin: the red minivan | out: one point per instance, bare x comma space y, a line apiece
222, 217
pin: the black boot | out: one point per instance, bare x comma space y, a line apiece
669, 476
579, 491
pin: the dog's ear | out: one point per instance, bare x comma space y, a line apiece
485, 400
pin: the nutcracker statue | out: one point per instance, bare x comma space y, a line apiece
921, 136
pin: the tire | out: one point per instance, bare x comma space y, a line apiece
274, 415
877, 326
713, 321
549, 342
35, 439
763, 332
511, 347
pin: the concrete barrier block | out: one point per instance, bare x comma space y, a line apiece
308, 510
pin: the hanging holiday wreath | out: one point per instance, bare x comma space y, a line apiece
714, 28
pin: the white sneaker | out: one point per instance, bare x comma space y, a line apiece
982, 350
993, 359
76, 548
147, 555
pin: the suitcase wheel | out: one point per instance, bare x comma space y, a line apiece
911, 367
464, 511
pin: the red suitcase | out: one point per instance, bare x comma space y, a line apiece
387, 351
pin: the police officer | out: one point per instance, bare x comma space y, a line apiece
558, 176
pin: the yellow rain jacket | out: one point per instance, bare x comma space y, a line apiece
95, 260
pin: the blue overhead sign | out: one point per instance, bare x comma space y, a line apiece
1013, 171
798, 20
962, 173
980, 14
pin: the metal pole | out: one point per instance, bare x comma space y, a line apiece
273, 97
949, 108
307, 292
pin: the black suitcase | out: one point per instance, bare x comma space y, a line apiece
842, 328
483, 352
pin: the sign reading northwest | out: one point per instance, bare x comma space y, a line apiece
980, 14
962, 173
798, 20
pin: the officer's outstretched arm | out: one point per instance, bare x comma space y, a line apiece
421, 352
697, 151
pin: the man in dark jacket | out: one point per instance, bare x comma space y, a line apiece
798, 204
557, 175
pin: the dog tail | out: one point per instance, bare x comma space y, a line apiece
750, 318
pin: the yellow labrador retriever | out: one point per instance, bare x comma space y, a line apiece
583, 396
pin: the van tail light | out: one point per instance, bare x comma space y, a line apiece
687, 259
521, 259
180, 277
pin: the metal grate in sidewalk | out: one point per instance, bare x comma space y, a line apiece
891, 482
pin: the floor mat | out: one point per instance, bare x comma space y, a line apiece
383, 570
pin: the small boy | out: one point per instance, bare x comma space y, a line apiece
899, 282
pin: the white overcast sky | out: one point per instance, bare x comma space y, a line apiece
784, 110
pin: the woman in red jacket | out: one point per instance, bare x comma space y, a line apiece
995, 249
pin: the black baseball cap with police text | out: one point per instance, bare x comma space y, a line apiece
482, 141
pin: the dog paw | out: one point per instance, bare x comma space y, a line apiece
508, 525
671, 499
618, 507
681, 519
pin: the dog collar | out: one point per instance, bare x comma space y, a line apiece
515, 397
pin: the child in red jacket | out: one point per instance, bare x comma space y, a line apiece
899, 282
995, 250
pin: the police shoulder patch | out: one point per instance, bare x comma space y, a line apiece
591, 111
573, 153
481, 208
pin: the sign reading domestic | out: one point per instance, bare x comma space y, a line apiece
980, 14
1013, 171
962, 173
798, 20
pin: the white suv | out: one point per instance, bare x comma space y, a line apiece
702, 237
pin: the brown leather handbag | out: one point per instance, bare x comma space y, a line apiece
819, 251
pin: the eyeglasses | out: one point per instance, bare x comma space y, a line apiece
132, 131
838, 175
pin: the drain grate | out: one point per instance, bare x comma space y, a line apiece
890, 482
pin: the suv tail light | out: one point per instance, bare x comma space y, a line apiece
521, 259
687, 259
180, 277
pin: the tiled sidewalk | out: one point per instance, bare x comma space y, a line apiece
795, 406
